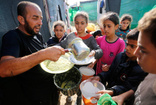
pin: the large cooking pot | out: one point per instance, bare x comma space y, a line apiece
68, 82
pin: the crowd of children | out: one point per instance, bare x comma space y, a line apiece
81, 22
125, 59
113, 47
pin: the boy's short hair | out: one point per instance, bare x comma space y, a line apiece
147, 24
133, 34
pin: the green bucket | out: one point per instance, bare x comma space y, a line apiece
68, 82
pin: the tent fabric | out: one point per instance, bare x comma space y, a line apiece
91, 8
88, 6
56, 10
113, 5
72, 12
136, 8
101, 9
154, 7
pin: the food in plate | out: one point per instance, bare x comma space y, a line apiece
62, 65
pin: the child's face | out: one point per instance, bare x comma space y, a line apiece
109, 27
125, 24
80, 24
146, 53
59, 31
130, 48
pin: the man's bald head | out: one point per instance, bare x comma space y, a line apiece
21, 7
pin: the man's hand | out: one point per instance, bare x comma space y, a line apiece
11, 66
53, 53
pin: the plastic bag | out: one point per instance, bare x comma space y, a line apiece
106, 99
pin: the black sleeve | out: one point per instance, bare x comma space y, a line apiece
135, 76
10, 44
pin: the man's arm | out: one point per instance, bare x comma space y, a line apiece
11, 66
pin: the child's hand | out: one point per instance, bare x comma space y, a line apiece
92, 53
91, 65
102, 92
110, 92
118, 99
105, 67
94, 78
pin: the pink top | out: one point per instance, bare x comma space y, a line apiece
110, 50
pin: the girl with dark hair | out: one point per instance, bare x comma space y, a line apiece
109, 43
124, 28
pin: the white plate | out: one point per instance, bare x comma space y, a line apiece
62, 65
86, 61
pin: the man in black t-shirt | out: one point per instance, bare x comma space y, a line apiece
22, 51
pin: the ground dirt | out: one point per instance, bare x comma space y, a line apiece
62, 100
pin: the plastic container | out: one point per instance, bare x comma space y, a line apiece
86, 72
91, 101
89, 88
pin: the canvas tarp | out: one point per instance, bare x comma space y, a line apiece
136, 8
89, 6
